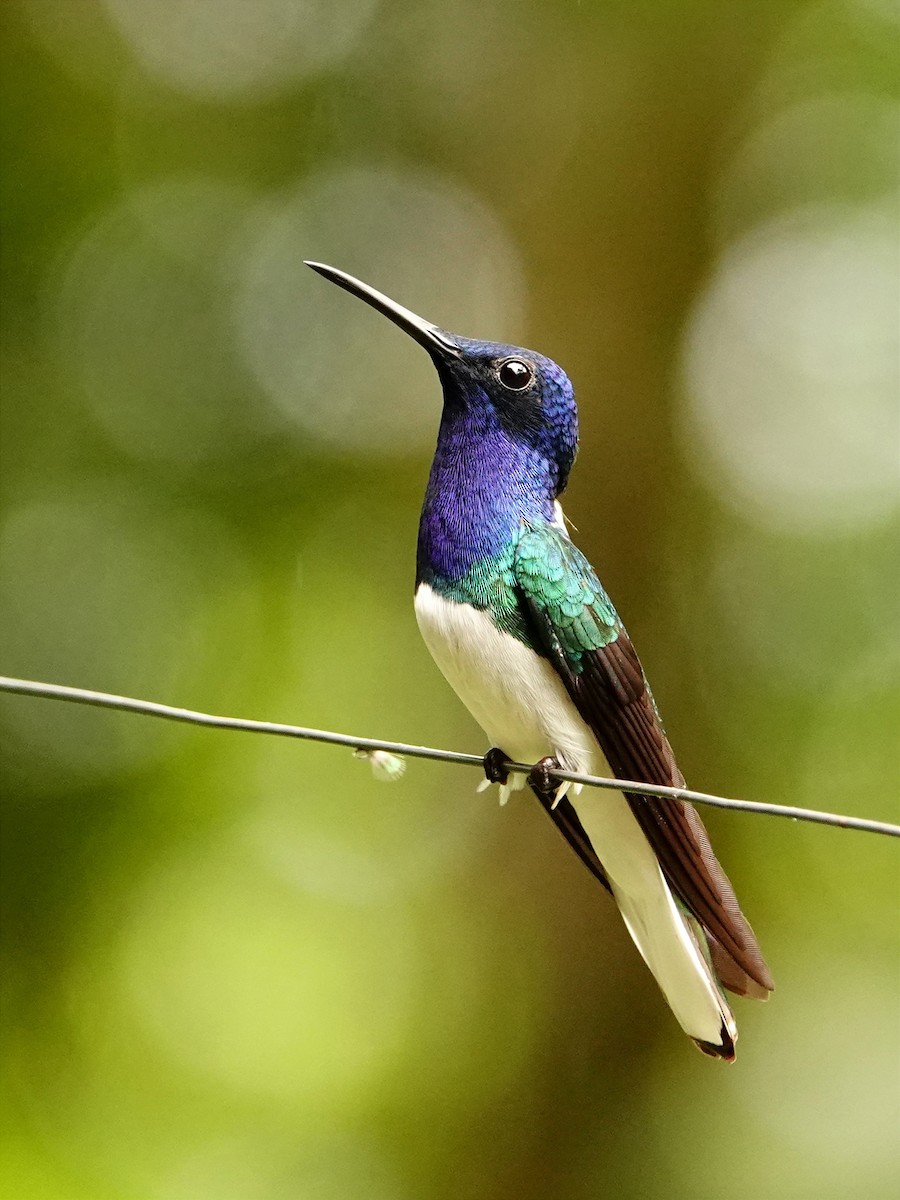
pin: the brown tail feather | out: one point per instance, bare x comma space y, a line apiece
732, 975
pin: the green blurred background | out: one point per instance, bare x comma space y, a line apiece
236, 969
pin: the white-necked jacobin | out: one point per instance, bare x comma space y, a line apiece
523, 631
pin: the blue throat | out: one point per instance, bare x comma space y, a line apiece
484, 484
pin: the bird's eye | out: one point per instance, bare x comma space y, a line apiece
515, 374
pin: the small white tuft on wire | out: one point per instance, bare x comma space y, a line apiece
385, 766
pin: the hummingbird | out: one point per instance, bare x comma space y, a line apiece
520, 626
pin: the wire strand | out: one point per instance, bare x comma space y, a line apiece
148, 708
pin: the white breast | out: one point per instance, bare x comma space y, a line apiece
515, 695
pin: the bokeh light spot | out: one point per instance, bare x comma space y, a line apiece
230, 50
791, 371
339, 371
242, 979
141, 315
838, 145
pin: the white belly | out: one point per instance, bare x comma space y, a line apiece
515, 695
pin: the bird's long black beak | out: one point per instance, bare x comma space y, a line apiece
438, 344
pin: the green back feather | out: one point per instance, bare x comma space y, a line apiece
544, 566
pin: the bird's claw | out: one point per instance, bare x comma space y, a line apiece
495, 772
545, 783
495, 767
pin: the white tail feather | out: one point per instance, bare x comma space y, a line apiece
659, 929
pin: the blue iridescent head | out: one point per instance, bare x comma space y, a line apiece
492, 389
528, 395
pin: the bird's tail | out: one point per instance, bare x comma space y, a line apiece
671, 944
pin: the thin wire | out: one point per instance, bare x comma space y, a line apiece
55, 691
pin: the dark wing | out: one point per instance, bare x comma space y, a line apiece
575, 625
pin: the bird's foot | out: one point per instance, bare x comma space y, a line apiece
495, 772
545, 783
495, 766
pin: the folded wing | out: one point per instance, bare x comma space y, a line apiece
575, 625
